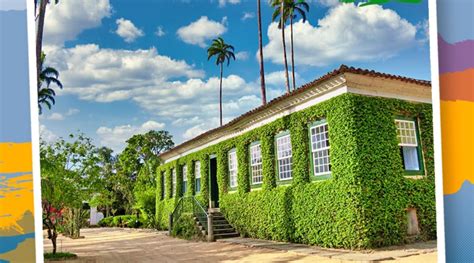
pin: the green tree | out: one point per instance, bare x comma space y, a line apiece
47, 76
280, 8
292, 9
140, 156
223, 52
69, 176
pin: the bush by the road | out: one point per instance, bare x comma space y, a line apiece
122, 221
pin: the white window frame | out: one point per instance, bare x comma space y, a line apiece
185, 179
173, 182
197, 175
256, 169
411, 134
280, 159
322, 149
233, 168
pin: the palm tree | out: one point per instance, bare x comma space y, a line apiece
47, 76
223, 52
279, 11
39, 34
260, 47
291, 8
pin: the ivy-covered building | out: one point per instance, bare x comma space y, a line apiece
343, 161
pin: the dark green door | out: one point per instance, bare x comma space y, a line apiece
213, 179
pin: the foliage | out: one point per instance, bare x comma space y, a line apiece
131, 221
69, 176
59, 256
47, 76
361, 205
185, 227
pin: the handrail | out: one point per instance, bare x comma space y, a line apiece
198, 211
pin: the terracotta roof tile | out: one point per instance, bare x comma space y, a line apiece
342, 69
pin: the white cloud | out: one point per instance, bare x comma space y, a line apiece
243, 55
159, 31
327, 2
278, 79
55, 117
127, 30
347, 33
222, 3
106, 75
67, 19
47, 135
72, 111
424, 31
201, 30
247, 15
115, 137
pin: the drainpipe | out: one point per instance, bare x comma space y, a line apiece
210, 228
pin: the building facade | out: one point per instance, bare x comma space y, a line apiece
343, 161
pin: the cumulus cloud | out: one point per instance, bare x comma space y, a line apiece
159, 31
243, 55
47, 135
247, 15
106, 75
67, 19
115, 137
202, 30
222, 3
55, 117
127, 30
347, 33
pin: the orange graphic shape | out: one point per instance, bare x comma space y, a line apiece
15, 157
16, 198
458, 85
457, 133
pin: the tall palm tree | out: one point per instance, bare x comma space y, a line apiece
223, 52
47, 76
280, 11
39, 34
260, 48
291, 8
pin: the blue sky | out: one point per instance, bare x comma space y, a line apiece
128, 67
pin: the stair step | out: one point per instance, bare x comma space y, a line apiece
225, 230
226, 235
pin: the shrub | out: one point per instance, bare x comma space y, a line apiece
185, 227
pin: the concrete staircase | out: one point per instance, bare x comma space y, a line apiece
221, 228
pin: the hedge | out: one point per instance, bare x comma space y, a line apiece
185, 228
361, 205
121, 221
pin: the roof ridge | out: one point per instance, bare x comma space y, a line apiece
341, 70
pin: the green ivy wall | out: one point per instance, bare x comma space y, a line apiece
361, 205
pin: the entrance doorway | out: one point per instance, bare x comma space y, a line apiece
214, 188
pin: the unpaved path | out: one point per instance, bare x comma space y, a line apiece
129, 245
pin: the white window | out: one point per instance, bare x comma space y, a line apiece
256, 163
173, 182
233, 168
197, 172
320, 149
408, 142
284, 157
185, 178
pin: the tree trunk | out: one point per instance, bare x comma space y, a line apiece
53, 240
284, 45
220, 96
39, 39
260, 47
292, 53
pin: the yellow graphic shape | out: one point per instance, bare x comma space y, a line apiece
457, 133
15, 157
16, 197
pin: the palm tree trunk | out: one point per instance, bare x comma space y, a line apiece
292, 54
284, 45
220, 96
39, 38
260, 47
